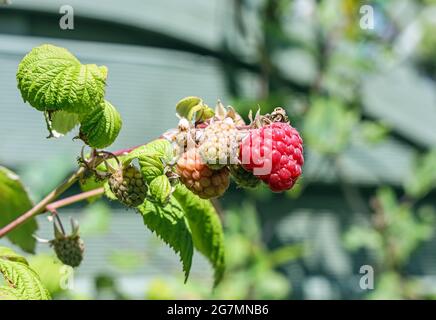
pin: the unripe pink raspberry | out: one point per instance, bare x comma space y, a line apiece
199, 178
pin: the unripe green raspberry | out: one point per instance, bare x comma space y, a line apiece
69, 250
243, 178
128, 186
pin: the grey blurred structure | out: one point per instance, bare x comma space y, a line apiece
159, 51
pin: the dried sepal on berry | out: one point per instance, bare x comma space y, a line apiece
238, 120
68, 248
222, 112
183, 138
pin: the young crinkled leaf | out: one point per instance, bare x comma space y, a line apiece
14, 201
151, 158
160, 190
51, 78
151, 166
63, 122
170, 225
101, 126
158, 147
11, 255
23, 281
206, 228
190, 106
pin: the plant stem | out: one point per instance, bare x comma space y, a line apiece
73, 199
41, 206
52, 207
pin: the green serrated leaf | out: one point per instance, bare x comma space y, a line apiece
24, 280
187, 107
14, 201
9, 293
63, 122
161, 147
160, 190
151, 166
51, 78
101, 126
206, 228
21, 277
170, 225
151, 158
9, 254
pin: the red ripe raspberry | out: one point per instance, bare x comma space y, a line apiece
275, 154
199, 178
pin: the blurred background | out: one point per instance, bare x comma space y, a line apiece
362, 93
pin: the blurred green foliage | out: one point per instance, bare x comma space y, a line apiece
394, 234
316, 60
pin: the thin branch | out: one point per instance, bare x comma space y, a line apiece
52, 207
55, 215
52, 196
41, 206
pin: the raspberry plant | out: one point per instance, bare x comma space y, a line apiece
173, 182
22, 282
